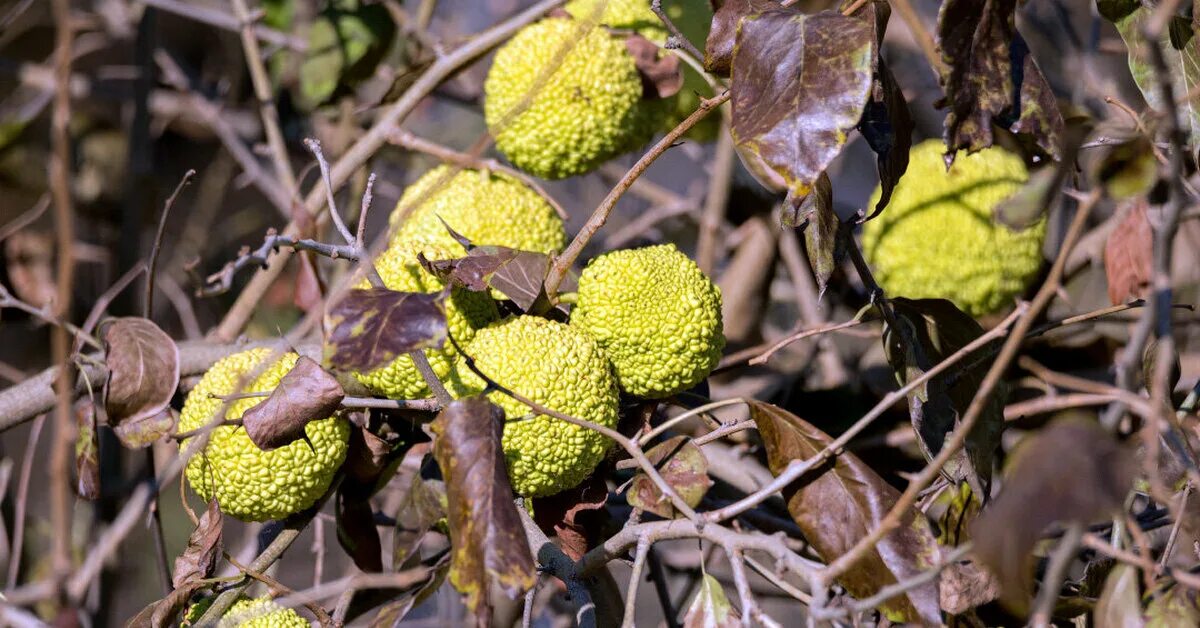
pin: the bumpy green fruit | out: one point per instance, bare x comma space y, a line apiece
693, 19
937, 237
249, 483
278, 618
657, 315
558, 367
486, 207
466, 312
587, 111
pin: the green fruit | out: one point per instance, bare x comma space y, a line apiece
466, 312
247, 482
937, 237
485, 207
558, 367
568, 122
657, 315
693, 18
278, 618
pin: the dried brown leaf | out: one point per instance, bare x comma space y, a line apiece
661, 74
683, 466
887, 127
370, 328
163, 613
29, 258
518, 275
143, 373
203, 549
306, 393
488, 539
424, 503
800, 85
1074, 471
574, 516
356, 531
839, 504
1128, 255
718, 49
966, 586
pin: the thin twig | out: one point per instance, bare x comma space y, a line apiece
716, 198
750, 609
562, 264
148, 302
1056, 571
207, 14
263, 91
18, 521
1174, 536
915, 26
27, 218
677, 38
635, 582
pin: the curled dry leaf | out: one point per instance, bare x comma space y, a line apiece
1128, 255
1074, 471
518, 275
683, 466
204, 547
991, 78
574, 516
933, 330
370, 328
306, 393
486, 533
143, 373
356, 530
966, 586
423, 504
87, 451
823, 233
29, 256
164, 612
661, 75
840, 503
887, 126
368, 456
800, 85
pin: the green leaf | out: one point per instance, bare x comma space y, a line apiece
710, 608
800, 85
839, 504
933, 330
345, 43
486, 534
1120, 604
683, 466
1180, 49
1074, 471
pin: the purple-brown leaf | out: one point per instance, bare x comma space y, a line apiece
203, 549
887, 127
823, 233
839, 504
1074, 471
800, 85
306, 393
486, 533
87, 451
370, 328
143, 373
661, 74
368, 455
683, 466
718, 49
164, 612
518, 275
422, 505
356, 531
991, 78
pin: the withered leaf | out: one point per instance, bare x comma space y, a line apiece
1150, 365
683, 466
823, 232
710, 608
143, 433
163, 613
203, 548
933, 330
1120, 604
966, 586
368, 455
1128, 255
718, 48
423, 504
518, 275
800, 85
840, 503
306, 393
143, 373
661, 75
391, 613
370, 328
29, 256
486, 533
574, 516
991, 78
356, 531
887, 127
1075, 471
87, 451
